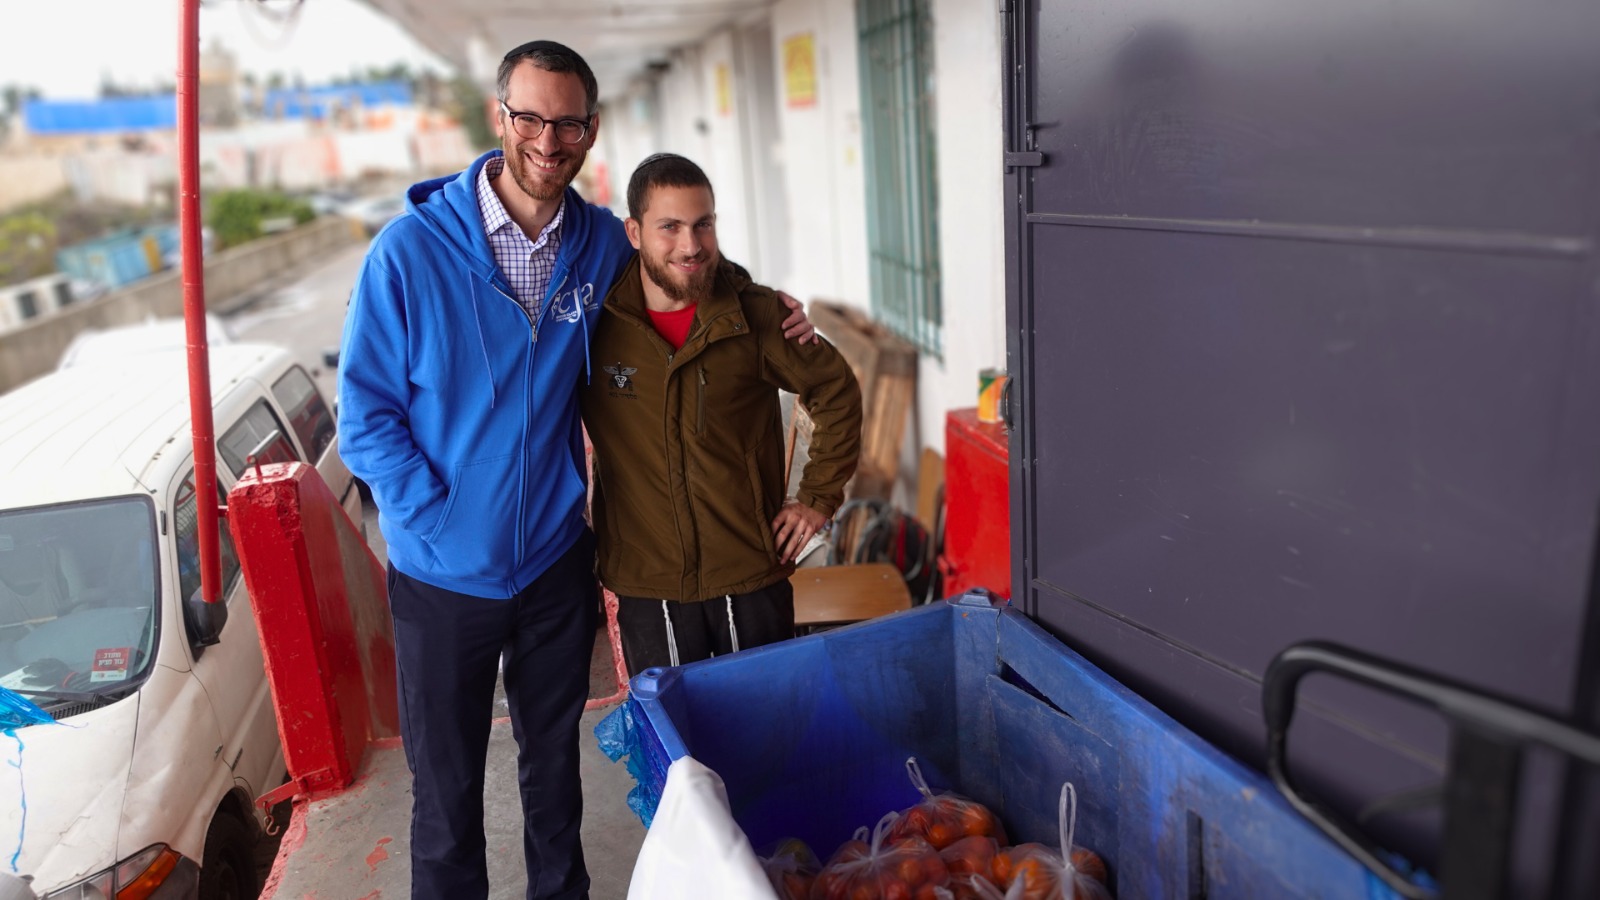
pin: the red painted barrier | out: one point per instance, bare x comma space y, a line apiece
977, 531
322, 610
619, 668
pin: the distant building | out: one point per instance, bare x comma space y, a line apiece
69, 126
220, 106
28, 300
123, 149
346, 106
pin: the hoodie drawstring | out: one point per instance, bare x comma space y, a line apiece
733, 631
672, 639
483, 345
583, 323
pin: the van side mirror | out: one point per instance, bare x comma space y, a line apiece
203, 621
16, 887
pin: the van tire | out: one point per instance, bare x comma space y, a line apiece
228, 871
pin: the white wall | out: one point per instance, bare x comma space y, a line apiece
25, 179
628, 133
966, 59
822, 156
681, 112
683, 105
824, 209
135, 179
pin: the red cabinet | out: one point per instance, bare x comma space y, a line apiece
977, 530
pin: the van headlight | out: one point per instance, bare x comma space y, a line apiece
138, 877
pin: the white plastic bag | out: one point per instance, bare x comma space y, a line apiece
694, 850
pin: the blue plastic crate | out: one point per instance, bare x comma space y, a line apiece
811, 737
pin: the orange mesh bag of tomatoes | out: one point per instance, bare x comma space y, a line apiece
944, 818
791, 868
881, 870
1037, 872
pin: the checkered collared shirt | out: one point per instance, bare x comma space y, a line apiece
526, 264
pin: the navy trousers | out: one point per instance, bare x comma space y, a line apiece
448, 648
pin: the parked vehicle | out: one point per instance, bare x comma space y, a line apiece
150, 336
372, 213
330, 202
165, 729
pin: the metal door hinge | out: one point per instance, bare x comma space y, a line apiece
1025, 159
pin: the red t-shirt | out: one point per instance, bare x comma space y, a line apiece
674, 326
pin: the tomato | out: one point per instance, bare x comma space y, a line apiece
1000, 869
793, 886
849, 851
828, 886
934, 870
970, 856
1089, 863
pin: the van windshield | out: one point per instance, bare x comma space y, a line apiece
77, 600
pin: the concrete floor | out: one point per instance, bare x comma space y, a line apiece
354, 845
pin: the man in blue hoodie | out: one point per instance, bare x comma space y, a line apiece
467, 335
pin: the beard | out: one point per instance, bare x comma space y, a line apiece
677, 286
541, 184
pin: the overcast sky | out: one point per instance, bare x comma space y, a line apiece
65, 47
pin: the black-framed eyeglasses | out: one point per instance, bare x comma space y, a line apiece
531, 125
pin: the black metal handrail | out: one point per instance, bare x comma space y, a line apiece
1488, 736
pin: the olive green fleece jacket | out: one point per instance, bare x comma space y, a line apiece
688, 444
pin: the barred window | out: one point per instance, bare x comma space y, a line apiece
896, 45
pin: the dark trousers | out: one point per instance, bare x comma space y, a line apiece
701, 629
448, 648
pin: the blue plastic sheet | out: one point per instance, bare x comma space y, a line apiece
621, 735
17, 711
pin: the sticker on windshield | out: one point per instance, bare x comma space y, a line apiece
111, 664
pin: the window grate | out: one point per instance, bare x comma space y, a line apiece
896, 47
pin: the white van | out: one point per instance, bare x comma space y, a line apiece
150, 336
163, 734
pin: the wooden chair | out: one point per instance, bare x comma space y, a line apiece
838, 595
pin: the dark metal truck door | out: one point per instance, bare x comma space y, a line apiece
1304, 314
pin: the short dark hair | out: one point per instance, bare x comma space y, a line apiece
551, 57
662, 170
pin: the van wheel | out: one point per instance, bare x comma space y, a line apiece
228, 871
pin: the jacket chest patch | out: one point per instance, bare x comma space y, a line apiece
621, 381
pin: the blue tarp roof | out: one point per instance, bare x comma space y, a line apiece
116, 114
315, 102
160, 113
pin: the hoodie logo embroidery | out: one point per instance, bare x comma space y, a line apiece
619, 376
569, 303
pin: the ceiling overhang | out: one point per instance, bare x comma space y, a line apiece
620, 40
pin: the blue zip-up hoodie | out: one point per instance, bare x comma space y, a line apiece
457, 410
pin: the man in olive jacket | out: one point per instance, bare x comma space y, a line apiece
696, 537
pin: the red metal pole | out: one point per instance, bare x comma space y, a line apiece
194, 299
